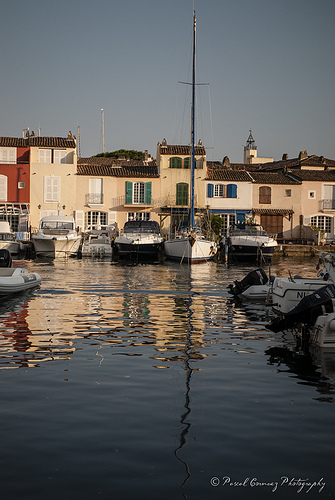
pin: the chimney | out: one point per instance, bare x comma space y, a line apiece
303, 155
285, 157
226, 161
146, 155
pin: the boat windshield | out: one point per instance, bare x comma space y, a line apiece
246, 229
57, 225
141, 226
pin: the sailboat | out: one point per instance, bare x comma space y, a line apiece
190, 246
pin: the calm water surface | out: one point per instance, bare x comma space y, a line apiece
148, 382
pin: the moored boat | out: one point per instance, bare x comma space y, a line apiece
249, 242
139, 239
15, 279
56, 237
191, 246
8, 240
97, 244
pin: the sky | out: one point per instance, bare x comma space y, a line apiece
268, 66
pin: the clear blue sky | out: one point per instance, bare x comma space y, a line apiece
270, 66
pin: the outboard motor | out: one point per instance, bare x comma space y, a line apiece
5, 258
307, 311
255, 277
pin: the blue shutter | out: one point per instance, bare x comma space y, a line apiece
210, 190
231, 191
148, 193
129, 193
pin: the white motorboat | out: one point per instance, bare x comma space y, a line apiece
56, 237
190, 246
97, 244
15, 279
284, 292
313, 318
8, 240
140, 239
254, 286
249, 242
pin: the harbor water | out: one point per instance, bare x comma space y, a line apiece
148, 382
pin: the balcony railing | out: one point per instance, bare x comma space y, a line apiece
94, 199
327, 204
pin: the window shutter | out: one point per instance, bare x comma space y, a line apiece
210, 190
129, 193
79, 218
3, 188
111, 218
231, 191
148, 186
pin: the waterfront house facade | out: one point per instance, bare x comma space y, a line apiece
15, 183
174, 165
53, 167
111, 192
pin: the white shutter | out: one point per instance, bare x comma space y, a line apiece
59, 155
8, 155
44, 155
307, 220
79, 218
111, 218
3, 188
51, 189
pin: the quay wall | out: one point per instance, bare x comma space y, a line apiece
302, 250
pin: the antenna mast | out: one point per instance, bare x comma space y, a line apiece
103, 130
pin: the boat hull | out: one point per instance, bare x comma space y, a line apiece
286, 293
13, 246
246, 251
56, 247
17, 280
189, 250
135, 250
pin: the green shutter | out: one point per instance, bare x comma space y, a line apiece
182, 193
148, 193
129, 193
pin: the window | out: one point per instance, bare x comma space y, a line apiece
311, 195
3, 188
95, 191
20, 185
7, 155
227, 221
138, 216
219, 190
175, 162
182, 193
138, 193
265, 195
288, 192
322, 222
44, 156
95, 219
51, 189
187, 163
59, 156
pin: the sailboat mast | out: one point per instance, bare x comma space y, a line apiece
193, 124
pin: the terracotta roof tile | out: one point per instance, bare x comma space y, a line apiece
34, 141
121, 171
273, 178
175, 150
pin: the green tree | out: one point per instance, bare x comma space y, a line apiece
216, 224
130, 154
